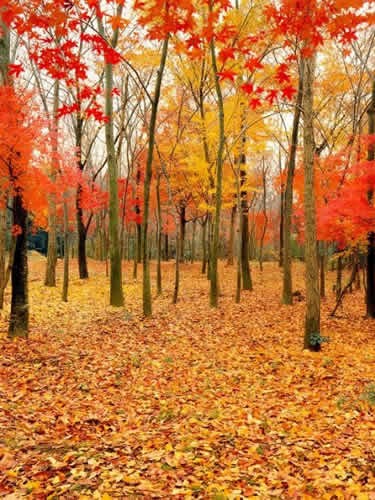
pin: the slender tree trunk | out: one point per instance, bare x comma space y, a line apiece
19, 313
3, 232
182, 214
239, 243
338, 286
230, 253
147, 303
245, 258
177, 270
370, 268
322, 267
209, 245
287, 297
159, 236
50, 278
343, 291
116, 292
204, 245
214, 281
66, 254
264, 215
4, 80
166, 247
312, 318
193, 238
281, 227
139, 226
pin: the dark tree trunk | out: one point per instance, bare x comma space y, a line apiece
370, 273
230, 259
192, 259
19, 313
66, 254
177, 270
82, 257
183, 222
245, 265
166, 247
338, 286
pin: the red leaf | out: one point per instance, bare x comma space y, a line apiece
227, 53
255, 103
227, 74
15, 69
248, 88
288, 92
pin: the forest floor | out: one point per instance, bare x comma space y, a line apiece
192, 403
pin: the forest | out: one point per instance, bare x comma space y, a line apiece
187, 249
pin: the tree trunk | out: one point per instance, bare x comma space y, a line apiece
264, 215
338, 286
116, 292
4, 80
66, 254
5, 280
214, 277
193, 241
370, 268
230, 254
177, 270
159, 236
147, 304
19, 313
287, 297
322, 267
204, 245
3, 233
182, 214
312, 317
245, 258
166, 247
50, 278
281, 227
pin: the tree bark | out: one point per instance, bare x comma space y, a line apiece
116, 292
65, 287
322, 268
204, 245
147, 302
230, 254
312, 316
50, 278
214, 277
19, 313
245, 258
287, 296
264, 198
182, 214
281, 227
177, 270
159, 236
370, 268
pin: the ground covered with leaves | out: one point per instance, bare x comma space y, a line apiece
193, 403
